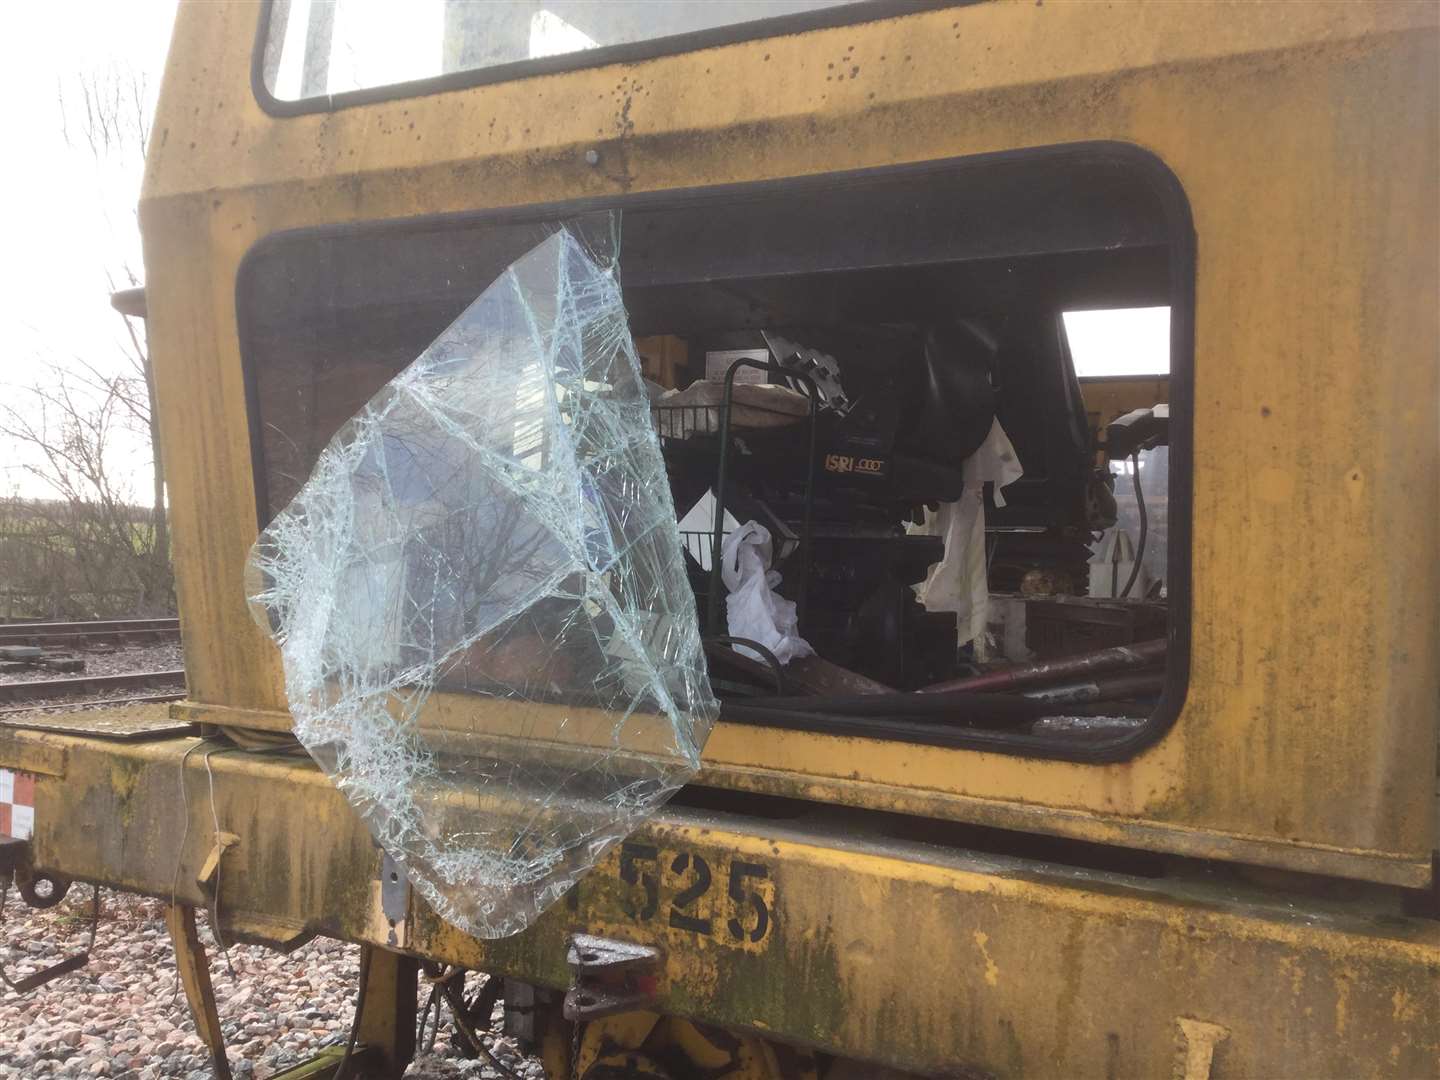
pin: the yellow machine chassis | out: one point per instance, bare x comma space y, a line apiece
924, 956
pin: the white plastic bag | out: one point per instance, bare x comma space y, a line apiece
753, 609
958, 582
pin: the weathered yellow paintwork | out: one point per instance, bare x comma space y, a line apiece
1304, 137
925, 956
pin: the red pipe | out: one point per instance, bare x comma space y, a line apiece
1116, 658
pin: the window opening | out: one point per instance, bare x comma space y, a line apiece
323, 48
958, 575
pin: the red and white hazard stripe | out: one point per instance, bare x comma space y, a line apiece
17, 804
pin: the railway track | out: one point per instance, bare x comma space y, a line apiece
130, 699
94, 632
31, 691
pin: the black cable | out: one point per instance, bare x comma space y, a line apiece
764, 653
432, 1003
1144, 525
458, 1011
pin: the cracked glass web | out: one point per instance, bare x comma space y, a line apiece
479, 595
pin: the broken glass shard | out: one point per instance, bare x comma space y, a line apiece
480, 599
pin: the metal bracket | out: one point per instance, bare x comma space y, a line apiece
193, 968
210, 868
14, 855
394, 897
1195, 1055
609, 976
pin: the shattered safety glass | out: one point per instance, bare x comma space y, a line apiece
480, 598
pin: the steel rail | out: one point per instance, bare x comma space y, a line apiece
47, 689
92, 637
91, 631
11, 711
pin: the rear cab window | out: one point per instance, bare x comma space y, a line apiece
319, 54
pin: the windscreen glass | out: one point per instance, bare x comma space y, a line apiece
321, 48
494, 522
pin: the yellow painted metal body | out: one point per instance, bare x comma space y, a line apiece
1303, 135
923, 956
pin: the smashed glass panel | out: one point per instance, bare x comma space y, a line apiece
480, 597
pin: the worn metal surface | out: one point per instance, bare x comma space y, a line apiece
147, 720
609, 976
388, 1003
1303, 135
194, 970
826, 930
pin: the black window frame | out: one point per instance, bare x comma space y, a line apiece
1181, 249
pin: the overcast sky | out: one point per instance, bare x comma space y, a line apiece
68, 217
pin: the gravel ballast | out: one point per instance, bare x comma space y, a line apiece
123, 1015
108, 660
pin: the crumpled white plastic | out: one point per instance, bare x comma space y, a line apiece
959, 582
754, 609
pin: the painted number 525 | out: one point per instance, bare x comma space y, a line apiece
687, 879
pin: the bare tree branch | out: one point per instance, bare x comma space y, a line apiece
91, 540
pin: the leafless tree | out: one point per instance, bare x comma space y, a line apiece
92, 549
113, 119
69, 420
112, 114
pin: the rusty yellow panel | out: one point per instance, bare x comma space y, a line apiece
31, 756
1304, 138
822, 930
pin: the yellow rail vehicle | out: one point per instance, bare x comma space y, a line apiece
1237, 881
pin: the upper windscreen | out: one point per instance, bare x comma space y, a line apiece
323, 48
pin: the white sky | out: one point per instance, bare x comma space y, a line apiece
68, 218
1126, 341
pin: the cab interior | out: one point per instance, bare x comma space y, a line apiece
919, 307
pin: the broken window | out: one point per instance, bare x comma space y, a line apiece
927, 308
494, 524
